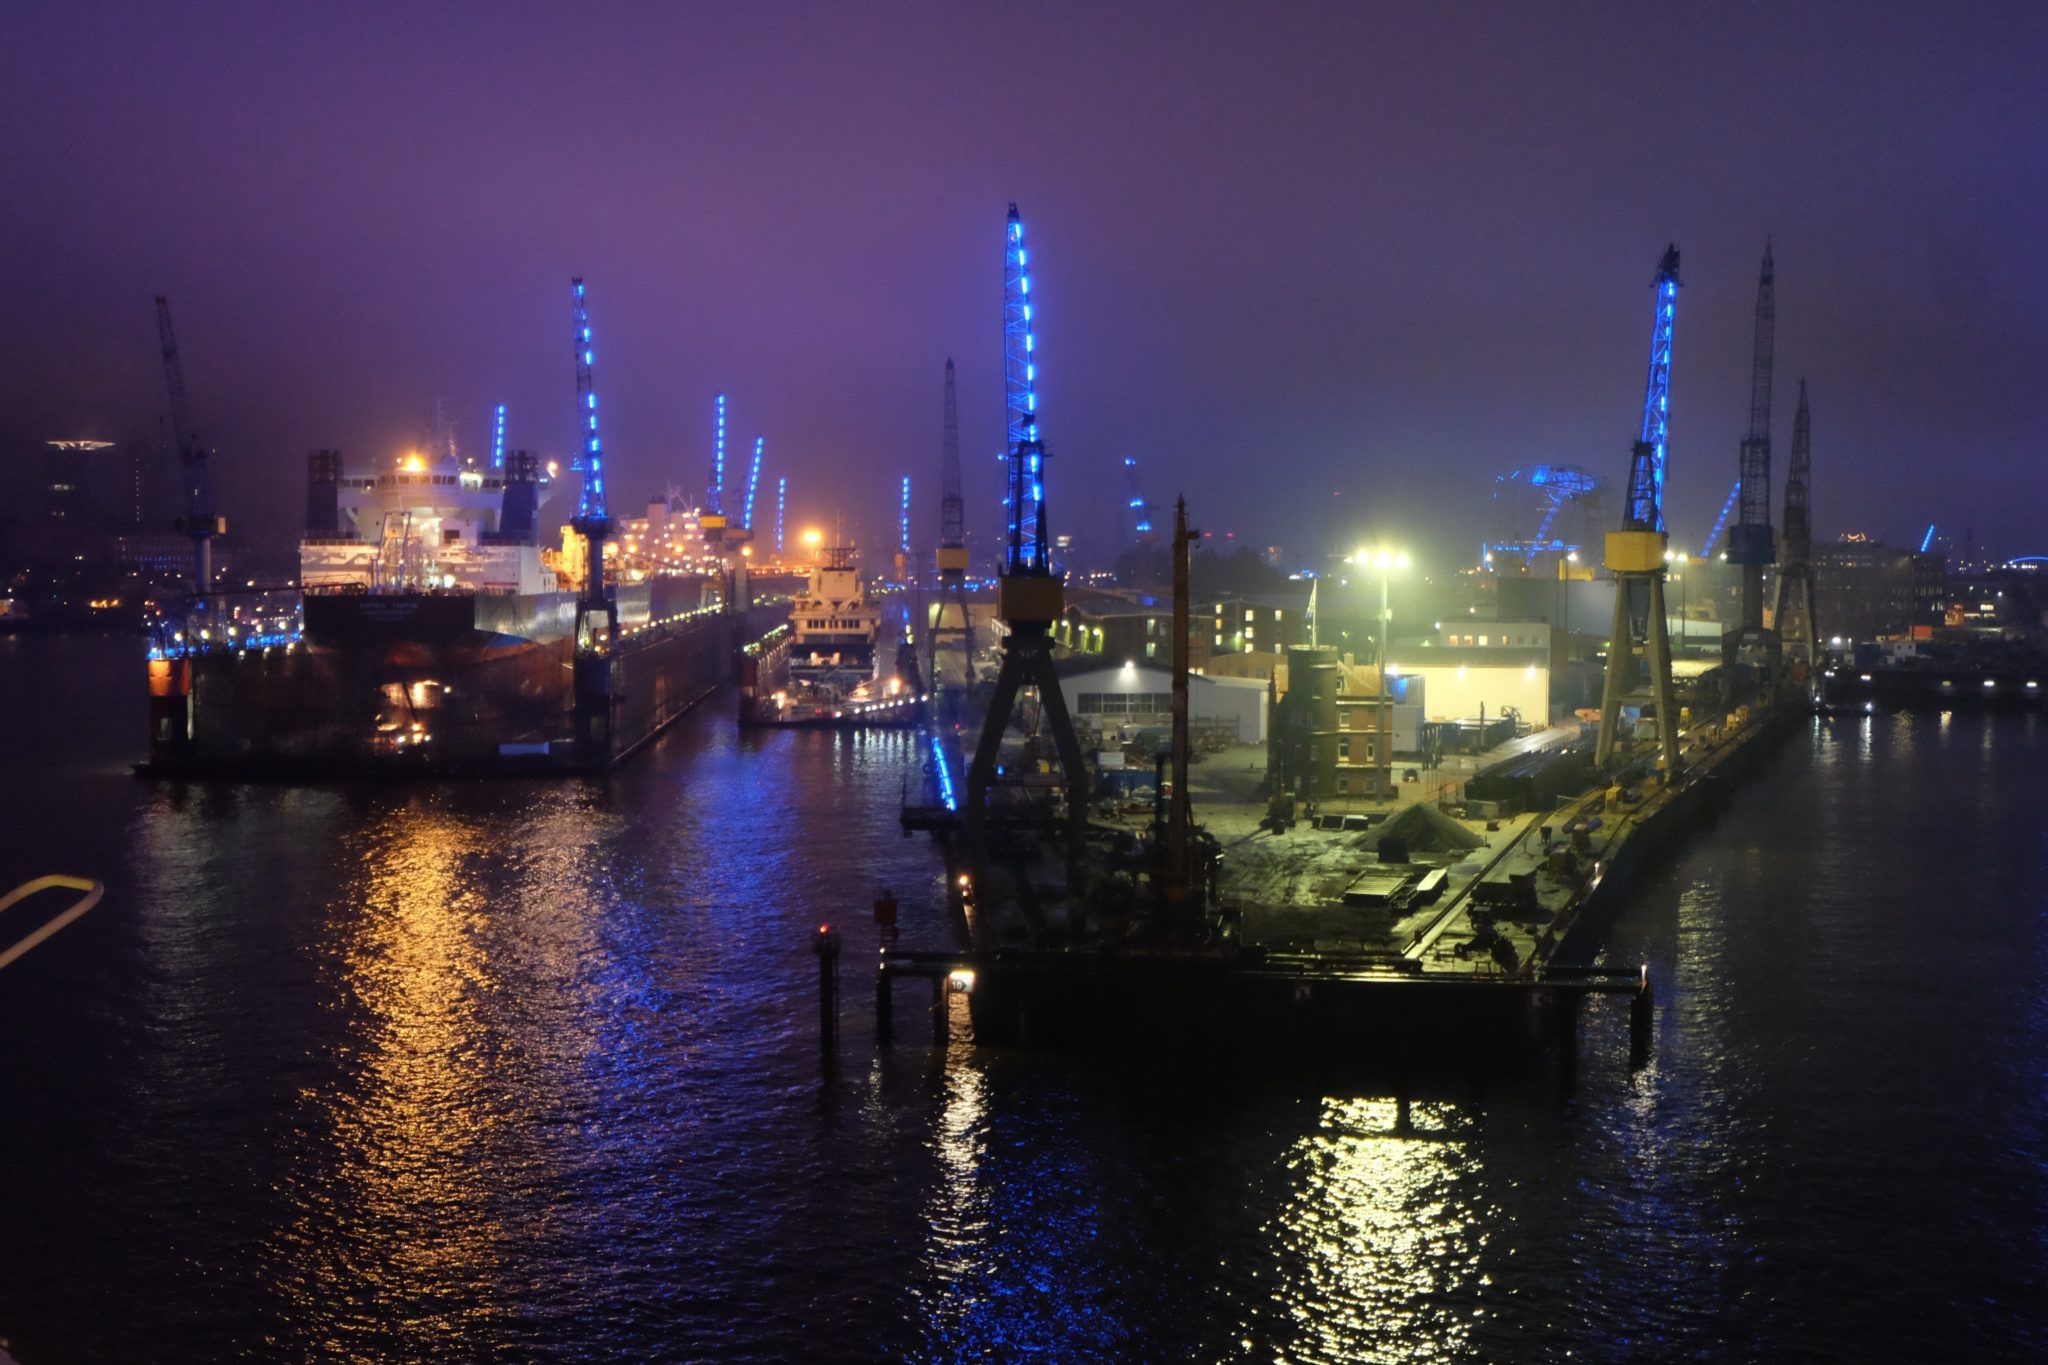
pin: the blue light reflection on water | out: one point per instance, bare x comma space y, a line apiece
427, 1073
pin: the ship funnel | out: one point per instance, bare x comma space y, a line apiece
323, 493
518, 520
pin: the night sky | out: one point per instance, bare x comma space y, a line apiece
1328, 269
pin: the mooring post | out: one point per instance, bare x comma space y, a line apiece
826, 945
1642, 1011
885, 1000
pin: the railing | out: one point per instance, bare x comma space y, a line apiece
90, 894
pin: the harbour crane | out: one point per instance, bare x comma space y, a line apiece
200, 521
498, 440
1751, 542
1029, 597
1794, 603
712, 522
952, 552
781, 503
1635, 553
597, 616
591, 521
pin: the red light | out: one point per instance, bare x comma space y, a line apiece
824, 928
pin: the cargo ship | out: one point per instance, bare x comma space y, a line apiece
431, 637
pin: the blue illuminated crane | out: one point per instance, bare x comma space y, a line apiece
753, 483
1029, 596
1721, 522
1136, 504
498, 440
597, 616
591, 521
1027, 549
1636, 555
781, 502
714, 495
1645, 510
903, 522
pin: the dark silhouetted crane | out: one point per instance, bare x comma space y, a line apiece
952, 552
1751, 542
1793, 615
200, 521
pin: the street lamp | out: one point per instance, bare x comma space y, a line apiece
1386, 561
1678, 559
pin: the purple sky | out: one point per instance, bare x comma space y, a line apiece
1281, 250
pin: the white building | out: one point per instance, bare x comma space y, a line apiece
1475, 668
1104, 695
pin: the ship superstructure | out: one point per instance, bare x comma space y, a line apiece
834, 624
425, 523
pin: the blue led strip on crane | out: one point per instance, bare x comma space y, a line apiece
753, 482
715, 497
498, 441
1026, 456
1646, 485
592, 508
781, 500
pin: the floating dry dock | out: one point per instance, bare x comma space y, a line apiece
1355, 936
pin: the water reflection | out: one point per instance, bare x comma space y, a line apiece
1378, 1252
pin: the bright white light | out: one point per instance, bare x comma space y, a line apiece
961, 981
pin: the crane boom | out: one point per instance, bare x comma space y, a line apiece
1645, 510
753, 482
591, 518
1026, 498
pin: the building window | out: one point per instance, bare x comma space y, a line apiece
1151, 649
1276, 614
1247, 614
1343, 746
1219, 642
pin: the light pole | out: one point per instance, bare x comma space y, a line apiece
1678, 559
1386, 561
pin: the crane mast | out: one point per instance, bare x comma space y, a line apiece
1029, 596
1026, 497
591, 521
1646, 465
1636, 555
1793, 616
952, 509
200, 520
1750, 539
498, 440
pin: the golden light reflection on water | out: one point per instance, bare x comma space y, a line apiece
461, 1022
1379, 1249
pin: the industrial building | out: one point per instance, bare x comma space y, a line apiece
1106, 696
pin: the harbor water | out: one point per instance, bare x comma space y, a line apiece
530, 1071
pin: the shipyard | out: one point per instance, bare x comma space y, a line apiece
944, 684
